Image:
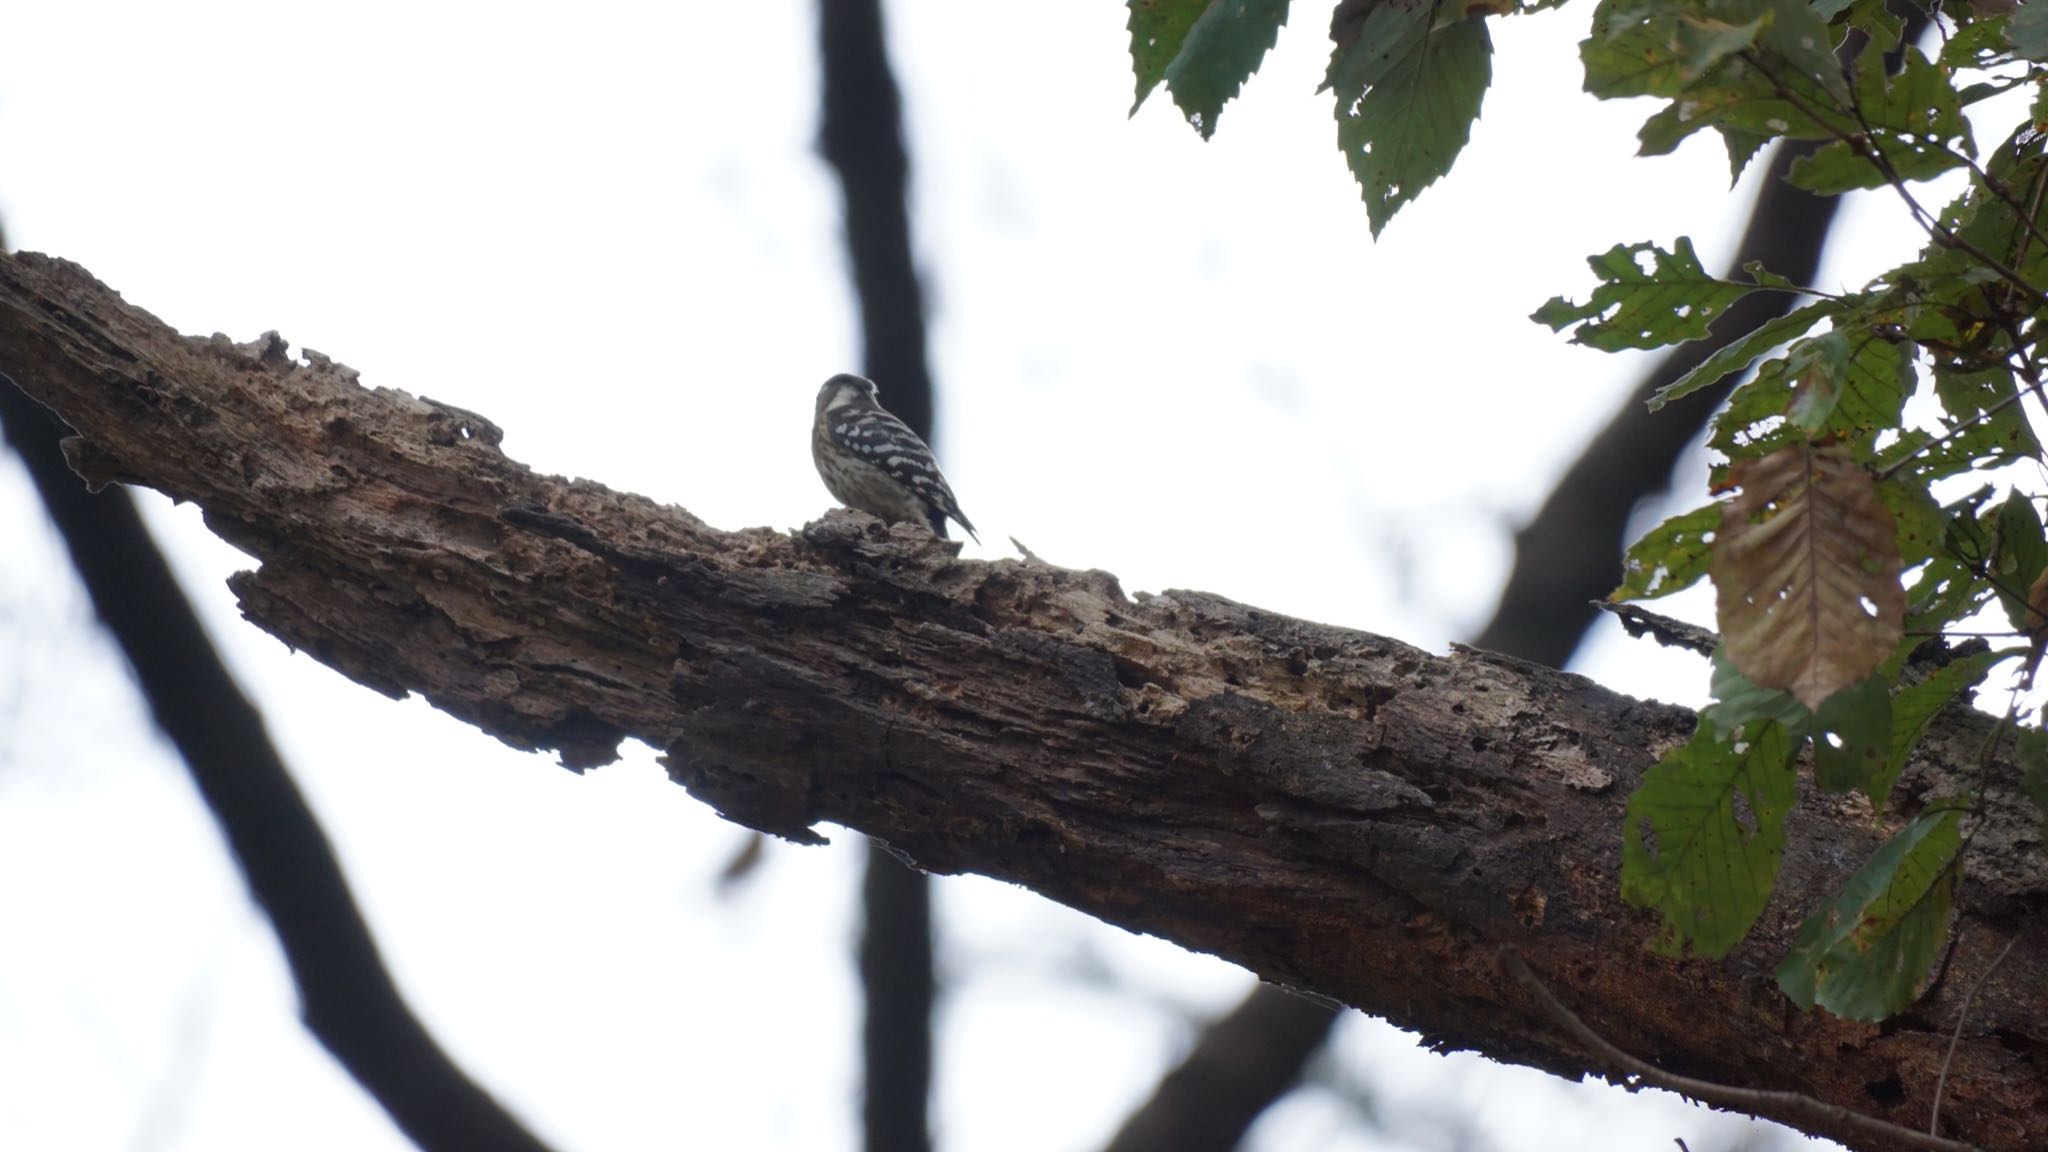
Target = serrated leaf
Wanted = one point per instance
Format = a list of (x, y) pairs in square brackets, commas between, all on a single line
[(1703, 41), (1851, 733), (1817, 369), (1915, 123), (1979, 44), (1742, 146), (1921, 521), (1879, 377), (1864, 955), (1407, 91), (1737, 356), (1885, 27), (1688, 853), (1845, 384), (1803, 548), (1203, 50), (1915, 706), (1648, 298), (2004, 436), (1670, 557)]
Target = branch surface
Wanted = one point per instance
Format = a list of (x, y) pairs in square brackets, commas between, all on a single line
[(1334, 810)]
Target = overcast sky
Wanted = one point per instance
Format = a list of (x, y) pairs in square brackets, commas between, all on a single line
[(1186, 363)]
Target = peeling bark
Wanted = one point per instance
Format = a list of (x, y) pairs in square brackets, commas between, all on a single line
[(1334, 810)]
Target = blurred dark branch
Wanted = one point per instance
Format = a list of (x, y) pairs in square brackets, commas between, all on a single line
[(1333, 810), (1237, 1068), (1569, 555), (346, 997), (862, 138)]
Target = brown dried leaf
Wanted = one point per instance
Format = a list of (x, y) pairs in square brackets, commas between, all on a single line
[(1807, 569)]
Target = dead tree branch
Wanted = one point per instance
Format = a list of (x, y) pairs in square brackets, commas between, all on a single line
[(1334, 810)]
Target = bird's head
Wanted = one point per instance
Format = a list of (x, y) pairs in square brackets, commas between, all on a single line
[(846, 390)]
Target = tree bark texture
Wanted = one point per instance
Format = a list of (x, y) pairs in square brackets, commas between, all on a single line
[(1334, 810)]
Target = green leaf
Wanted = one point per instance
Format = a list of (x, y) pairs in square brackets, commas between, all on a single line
[(1735, 357), (1670, 557), (1648, 298), (1949, 588), (1852, 738), (1864, 955), (1742, 146), (1851, 734), (2033, 757), (1979, 44), (1845, 383), (1915, 124), (1738, 700), (2027, 30), (2019, 556), (1798, 35), (1203, 49), (1921, 521), (2004, 436), (1703, 42), (1689, 853), (1816, 369), (1878, 378), (1916, 705), (1408, 88)]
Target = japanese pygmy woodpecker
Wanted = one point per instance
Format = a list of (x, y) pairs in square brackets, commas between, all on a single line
[(872, 461)]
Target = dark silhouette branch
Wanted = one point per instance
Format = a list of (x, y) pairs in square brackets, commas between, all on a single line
[(345, 994), (862, 138), (1240, 1064), (1336, 811)]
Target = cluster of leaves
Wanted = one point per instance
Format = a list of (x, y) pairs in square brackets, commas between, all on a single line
[(1848, 541), (1831, 497)]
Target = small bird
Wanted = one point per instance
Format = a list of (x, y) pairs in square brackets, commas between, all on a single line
[(872, 461)]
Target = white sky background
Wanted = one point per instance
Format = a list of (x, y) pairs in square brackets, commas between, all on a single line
[(608, 232)]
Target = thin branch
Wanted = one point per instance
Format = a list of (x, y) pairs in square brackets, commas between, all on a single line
[(1865, 146), (1753, 1100), (1955, 1037)]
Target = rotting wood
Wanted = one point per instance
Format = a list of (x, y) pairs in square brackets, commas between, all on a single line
[(1334, 810)]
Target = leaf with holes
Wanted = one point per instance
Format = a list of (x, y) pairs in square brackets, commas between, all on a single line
[(1852, 738), (1670, 557), (1408, 86), (1735, 357), (1865, 953), (1703, 836), (1204, 51), (1914, 129), (1806, 568), (1648, 298)]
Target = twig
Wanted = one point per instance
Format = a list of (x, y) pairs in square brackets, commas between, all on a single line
[(1866, 145), (1641, 622), (1810, 1112), (1952, 432), (1941, 1081)]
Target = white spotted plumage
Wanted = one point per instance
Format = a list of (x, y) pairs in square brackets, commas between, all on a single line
[(872, 461)]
